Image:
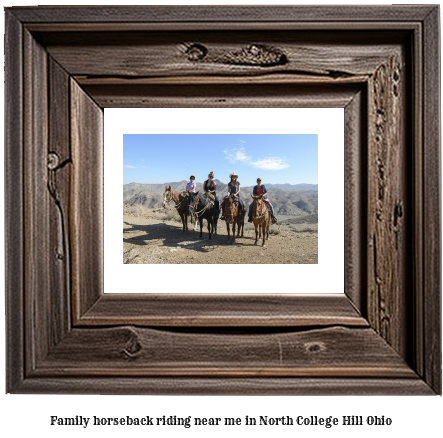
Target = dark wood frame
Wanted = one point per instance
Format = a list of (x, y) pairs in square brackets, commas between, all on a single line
[(64, 65)]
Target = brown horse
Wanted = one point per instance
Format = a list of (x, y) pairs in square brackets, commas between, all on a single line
[(181, 204), (230, 212), (261, 218)]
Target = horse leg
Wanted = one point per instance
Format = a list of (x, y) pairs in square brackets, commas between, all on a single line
[(264, 233), (256, 233), (201, 226), (186, 221), (229, 234), (183, 222), (233, 231), (210, 225), (215, 219)]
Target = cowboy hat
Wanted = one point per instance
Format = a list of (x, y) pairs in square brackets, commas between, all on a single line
[(233, 174)]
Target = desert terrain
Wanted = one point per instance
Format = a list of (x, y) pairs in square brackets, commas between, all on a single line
[(156, 236), (152, 234)]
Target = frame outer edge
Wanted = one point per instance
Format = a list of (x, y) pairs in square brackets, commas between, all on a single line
[(432, 202), (220, 13), (14, 242), (14, 234), (228, 386)]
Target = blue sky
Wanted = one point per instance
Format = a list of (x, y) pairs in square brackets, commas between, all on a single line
[(275, 158)]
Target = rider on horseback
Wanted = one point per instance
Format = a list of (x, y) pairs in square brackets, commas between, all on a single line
[(190, 187), (234, 192), (258, 190), (210, 188)]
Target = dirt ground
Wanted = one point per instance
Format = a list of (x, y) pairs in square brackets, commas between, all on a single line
[(151, 237)]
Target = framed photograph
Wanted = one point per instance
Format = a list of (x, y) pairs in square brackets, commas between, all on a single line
[(378, 331), (282, 148), (160, 208)]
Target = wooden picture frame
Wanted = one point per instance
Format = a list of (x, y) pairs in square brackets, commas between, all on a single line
[(65, 64)]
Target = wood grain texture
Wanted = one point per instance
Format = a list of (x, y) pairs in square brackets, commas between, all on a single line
[(160, 54), (355, 194), (226, 14), (233, 26), (226, 386), (74, 61), (86, 209), (231, 96), (59, 179), (14, 239), (204, 310), (417, 358), (37, 257), (130, 351), (432, 334), (388, 204)]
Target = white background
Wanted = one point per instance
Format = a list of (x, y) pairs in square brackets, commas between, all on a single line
[(325, 277), (28, 415)]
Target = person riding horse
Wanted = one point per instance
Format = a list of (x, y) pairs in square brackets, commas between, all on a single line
[(190, 187), (234, 192), (210, 188), (258, 190)]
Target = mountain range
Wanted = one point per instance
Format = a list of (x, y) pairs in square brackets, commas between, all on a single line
[(287, 199)]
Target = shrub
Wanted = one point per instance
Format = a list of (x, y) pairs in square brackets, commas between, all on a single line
[(137, 209), (172, 215), (305, 228), (275, 230)]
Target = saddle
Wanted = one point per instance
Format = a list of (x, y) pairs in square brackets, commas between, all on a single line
[(235, 199)]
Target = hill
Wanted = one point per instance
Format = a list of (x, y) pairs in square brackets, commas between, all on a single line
[(287, 199)]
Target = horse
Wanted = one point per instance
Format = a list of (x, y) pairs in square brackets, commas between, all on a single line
[(181, 204), (261, 217), (203, 207), (230, 212)]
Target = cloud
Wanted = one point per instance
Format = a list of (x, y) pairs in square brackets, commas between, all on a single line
[(236, 155), (271, 163), (129, 166), (239, 155)]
